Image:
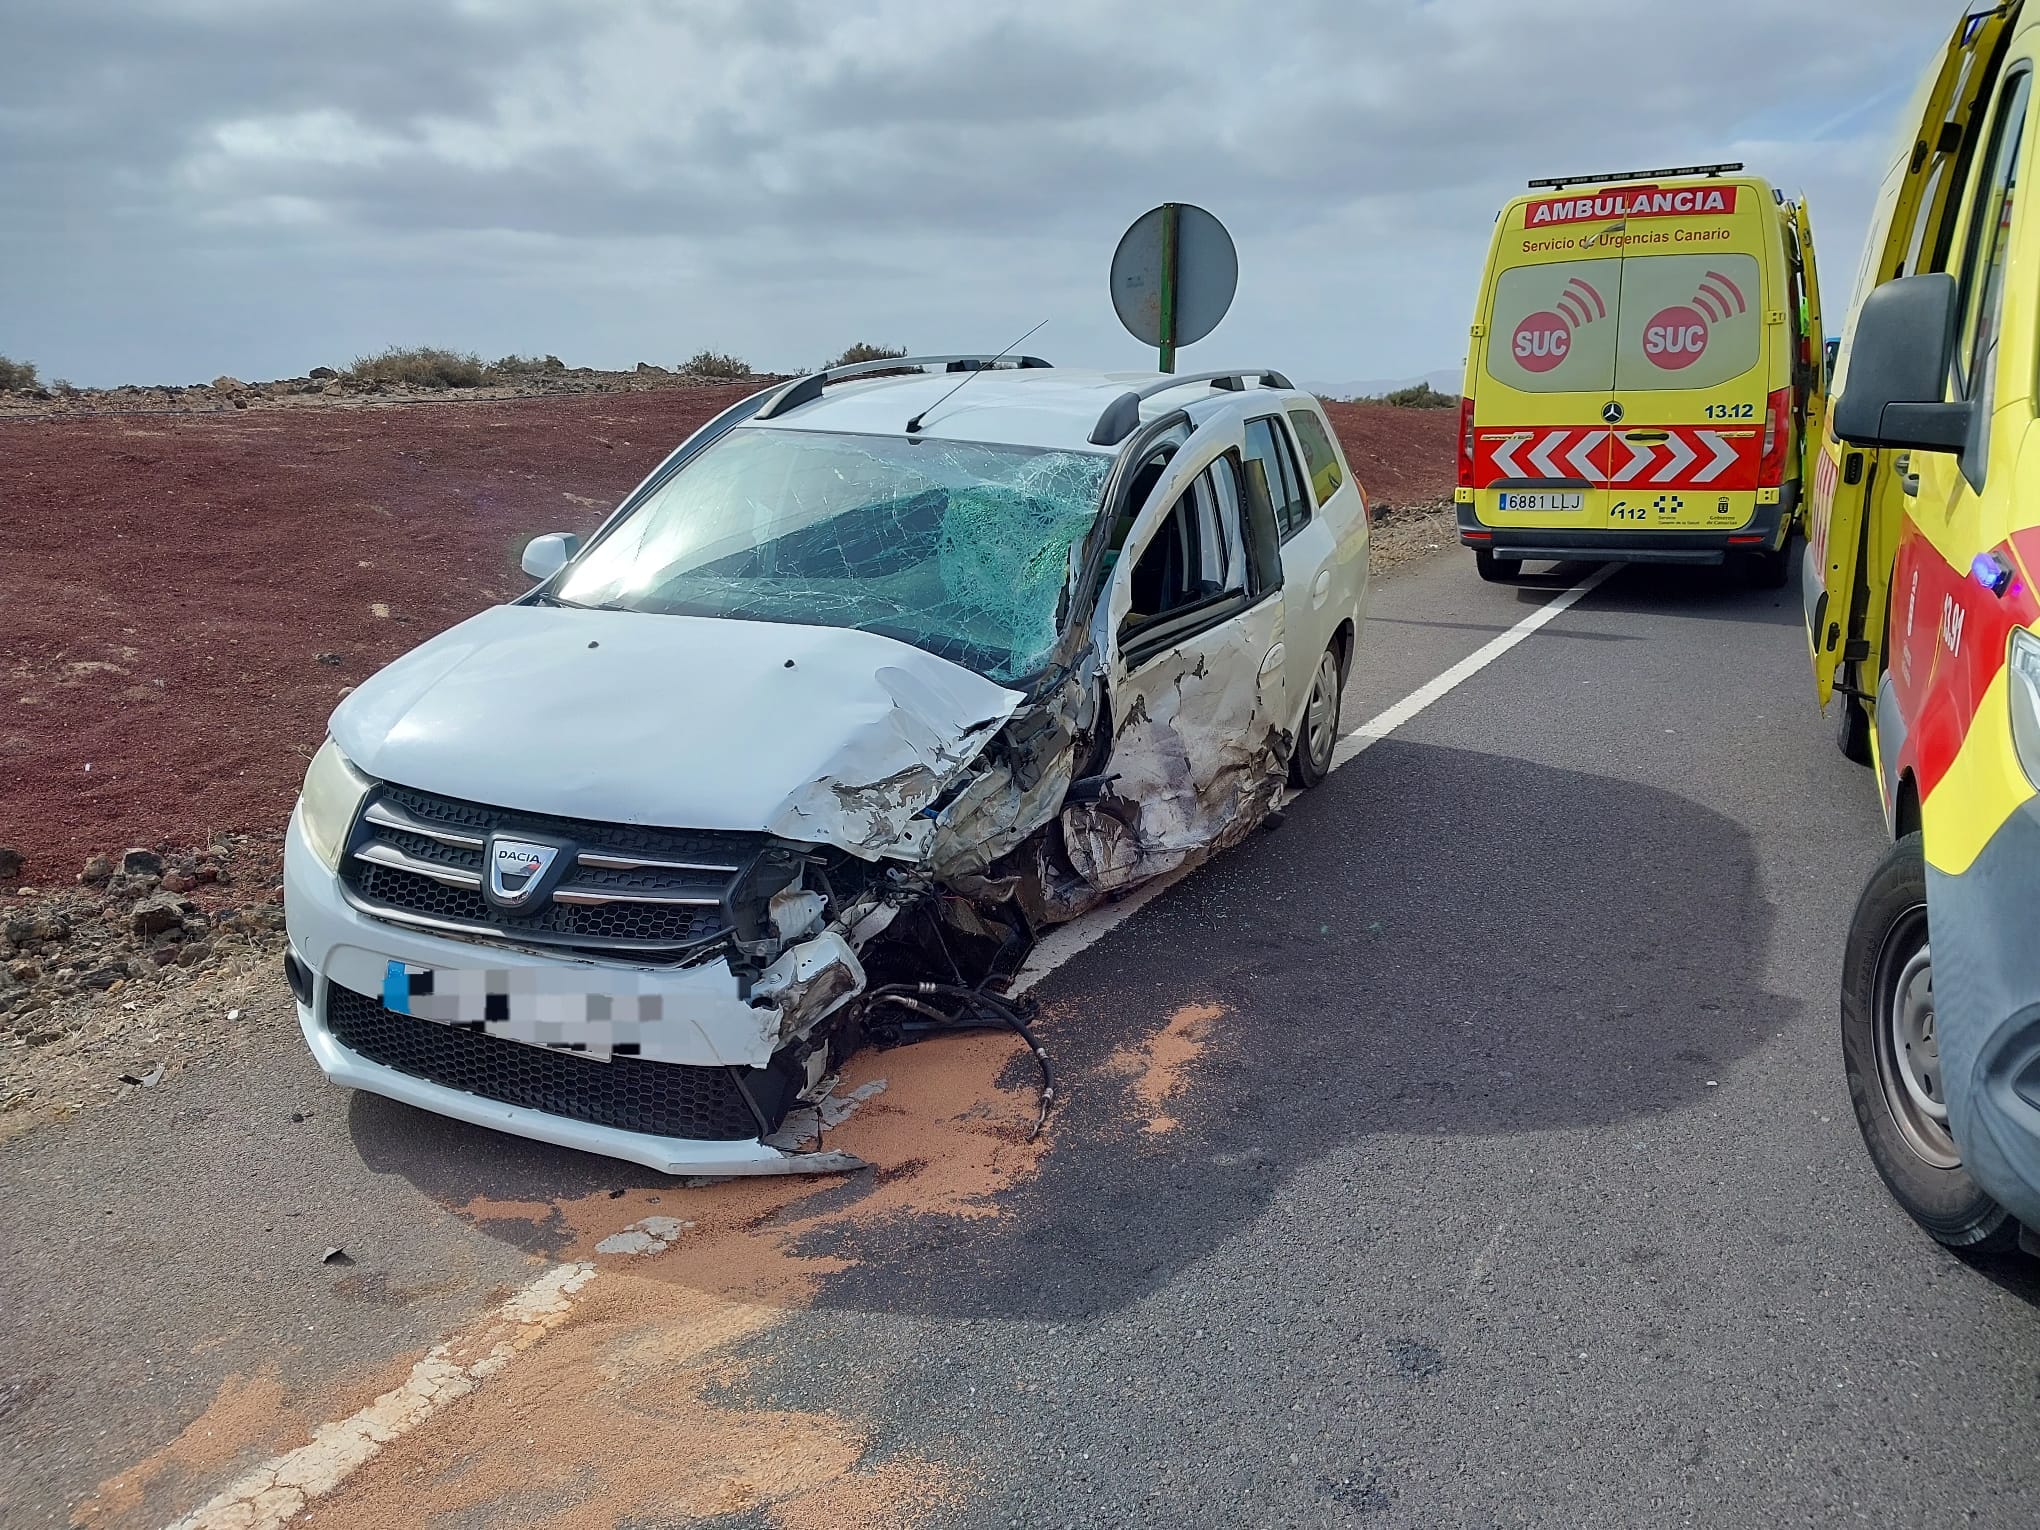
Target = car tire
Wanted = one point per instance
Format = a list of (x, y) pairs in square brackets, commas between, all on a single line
[(1317, 740), (1496, 570), (1892, 1060)]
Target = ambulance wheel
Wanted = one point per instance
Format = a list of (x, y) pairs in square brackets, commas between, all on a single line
[(1496, 570), (1893, 1060), (1770, 570)]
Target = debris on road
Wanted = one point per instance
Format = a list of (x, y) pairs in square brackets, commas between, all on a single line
[(336, 1255), (648, 1235)]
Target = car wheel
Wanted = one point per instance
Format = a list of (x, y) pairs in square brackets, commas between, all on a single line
[(1311, 760), (1893, 1059), (1496, 570)]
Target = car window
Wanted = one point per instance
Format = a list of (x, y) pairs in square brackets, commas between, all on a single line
[(1688, 321), (957, 548), (1553, 327), (1196, 554), (1987, 248), (1318, 455), (1268, 451)]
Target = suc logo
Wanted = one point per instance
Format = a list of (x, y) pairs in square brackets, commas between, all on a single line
[(1677, 336), (1544, 340)]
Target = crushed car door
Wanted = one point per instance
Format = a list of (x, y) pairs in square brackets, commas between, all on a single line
[(1858, 495), (1192, 628)]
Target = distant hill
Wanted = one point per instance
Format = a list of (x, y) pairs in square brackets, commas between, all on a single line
[(1449, 380)]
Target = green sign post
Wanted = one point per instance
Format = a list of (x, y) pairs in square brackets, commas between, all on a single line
[(1173, 277)]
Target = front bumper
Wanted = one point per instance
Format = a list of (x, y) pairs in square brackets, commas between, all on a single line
[(707, 1025), (1762, 532), (1987, 1010)]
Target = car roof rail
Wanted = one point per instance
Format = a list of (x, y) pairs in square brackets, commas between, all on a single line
[(1560, 182), (805, 390), (1122, 416)]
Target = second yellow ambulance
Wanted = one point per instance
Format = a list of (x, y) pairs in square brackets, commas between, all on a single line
[(1645, 357)]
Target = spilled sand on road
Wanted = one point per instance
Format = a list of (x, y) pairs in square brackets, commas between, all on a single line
[(1160, 1066), (248, 1415), (630, 1409), (248, 1418)]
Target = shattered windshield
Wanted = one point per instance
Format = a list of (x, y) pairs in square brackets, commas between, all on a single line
[(958, 548)]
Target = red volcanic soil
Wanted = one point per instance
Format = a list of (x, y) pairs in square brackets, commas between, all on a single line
[(186, 598)]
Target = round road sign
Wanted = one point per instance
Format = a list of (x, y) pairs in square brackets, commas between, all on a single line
[(1207, 274)]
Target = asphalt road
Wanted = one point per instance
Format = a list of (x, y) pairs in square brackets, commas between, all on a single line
[(1511, 1181)]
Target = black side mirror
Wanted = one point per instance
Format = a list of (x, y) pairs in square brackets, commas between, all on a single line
[(1900, 361)]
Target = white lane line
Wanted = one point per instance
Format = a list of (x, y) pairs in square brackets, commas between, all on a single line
[(1067, 941), (1373, 731), (278, 1490)]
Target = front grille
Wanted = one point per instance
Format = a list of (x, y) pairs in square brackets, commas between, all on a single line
[(418, 858), (714, 846), (628, 1093), (583, 924)]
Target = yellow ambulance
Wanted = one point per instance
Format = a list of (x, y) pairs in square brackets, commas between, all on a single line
[(1645, 355), (1923, 598)]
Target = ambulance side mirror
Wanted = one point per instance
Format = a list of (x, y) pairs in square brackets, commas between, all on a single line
[(1900, 361)]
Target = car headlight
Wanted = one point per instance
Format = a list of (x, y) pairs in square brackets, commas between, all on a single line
[(331, 797), (2023, 677)]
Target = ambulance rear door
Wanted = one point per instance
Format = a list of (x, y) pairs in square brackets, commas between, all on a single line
[(1547, 348), (1700, 311)]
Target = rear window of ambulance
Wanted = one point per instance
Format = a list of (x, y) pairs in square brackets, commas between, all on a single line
[(1553, 327), (1688, 321), (1627, 324)]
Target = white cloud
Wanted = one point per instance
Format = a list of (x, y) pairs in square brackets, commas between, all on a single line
[(205, 187)]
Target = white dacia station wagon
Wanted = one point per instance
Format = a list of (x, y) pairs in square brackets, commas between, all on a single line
[(878, 675)]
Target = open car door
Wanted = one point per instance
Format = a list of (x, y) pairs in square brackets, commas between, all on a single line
[(1858, 495)]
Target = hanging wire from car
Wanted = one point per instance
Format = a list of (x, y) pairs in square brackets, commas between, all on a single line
[(991, 1012), (914, 425)]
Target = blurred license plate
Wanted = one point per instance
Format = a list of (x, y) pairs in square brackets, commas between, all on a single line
[(1544, 501), (540, 1006)]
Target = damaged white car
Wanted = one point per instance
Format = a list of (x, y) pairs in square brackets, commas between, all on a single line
[(880, 674)]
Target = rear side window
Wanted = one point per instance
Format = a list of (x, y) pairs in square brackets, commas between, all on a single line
[(1268, 453), (1553, 327), (1688, 321), (1322, 461), (1984, 256)]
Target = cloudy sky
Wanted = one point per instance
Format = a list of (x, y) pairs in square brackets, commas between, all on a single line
[(191, 187)]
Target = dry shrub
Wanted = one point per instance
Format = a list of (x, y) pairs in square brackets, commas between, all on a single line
[(421, 366), (865, 351), (715, 364)]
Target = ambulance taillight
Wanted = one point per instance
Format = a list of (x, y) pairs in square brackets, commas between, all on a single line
[(1777, 438), (1466, 443)]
